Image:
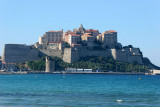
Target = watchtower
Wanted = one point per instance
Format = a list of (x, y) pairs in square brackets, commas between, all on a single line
[(50, 65)]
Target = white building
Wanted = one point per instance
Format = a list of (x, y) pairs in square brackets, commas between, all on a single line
[(156, 71), (73, 39)]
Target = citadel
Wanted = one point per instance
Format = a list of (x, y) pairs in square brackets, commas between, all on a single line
[(71, 46)]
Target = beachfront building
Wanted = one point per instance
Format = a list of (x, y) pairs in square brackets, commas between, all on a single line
[(156, 71), (51, 36)]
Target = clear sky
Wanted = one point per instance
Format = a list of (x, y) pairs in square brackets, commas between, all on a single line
[(136, 21)]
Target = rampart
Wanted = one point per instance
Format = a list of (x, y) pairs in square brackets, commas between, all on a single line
[(84, 53), (17, 53), (73, 54), (126, 56), (52, 52), (70, 55)]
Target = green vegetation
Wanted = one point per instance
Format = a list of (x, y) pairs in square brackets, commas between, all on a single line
[(147, 62), (20, 66), (37, 65), (129, 46), (90, 62), (108, 64), (40, 64), (67, 45)]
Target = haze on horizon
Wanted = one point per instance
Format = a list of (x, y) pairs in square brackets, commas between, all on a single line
[(136, 21)]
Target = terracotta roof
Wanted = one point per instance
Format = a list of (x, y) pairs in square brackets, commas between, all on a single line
[(111, 31), (70, 32), (54, 31), (56, 42), (92, 30), (88, 35), (74, 35)]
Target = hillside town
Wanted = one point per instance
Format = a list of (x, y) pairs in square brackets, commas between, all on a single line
[(78, 37), (71, 46), (83, 42)]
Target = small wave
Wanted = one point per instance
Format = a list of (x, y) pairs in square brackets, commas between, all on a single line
[(119, 101)]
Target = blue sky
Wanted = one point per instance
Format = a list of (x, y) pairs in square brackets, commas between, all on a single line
[(136, 21)]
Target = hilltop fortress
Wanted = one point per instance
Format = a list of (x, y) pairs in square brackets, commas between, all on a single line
[(71, 46)]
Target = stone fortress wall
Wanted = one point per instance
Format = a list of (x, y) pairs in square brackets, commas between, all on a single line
[(51, 52), (16, 53), (84, 53), (72, 55), (124, 56)]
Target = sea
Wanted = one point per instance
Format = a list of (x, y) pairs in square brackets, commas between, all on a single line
[(79, 90)]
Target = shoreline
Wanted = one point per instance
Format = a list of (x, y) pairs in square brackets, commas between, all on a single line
[(109, 73)]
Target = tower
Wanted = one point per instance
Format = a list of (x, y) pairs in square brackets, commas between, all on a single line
[(50, 65)]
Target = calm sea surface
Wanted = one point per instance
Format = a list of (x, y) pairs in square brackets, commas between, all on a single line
[(79, 90)]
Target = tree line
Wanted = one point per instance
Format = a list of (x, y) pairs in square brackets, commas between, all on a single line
[(90, 62)]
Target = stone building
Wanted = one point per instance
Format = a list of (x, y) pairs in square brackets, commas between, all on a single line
[(65, 34), (87, 39), (93, 32), (73, 39), (80, 31), (51, 36), (56, 45), (108, 38), (42, 39)]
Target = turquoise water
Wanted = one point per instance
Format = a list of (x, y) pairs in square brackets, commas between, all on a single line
[(79, 90)]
